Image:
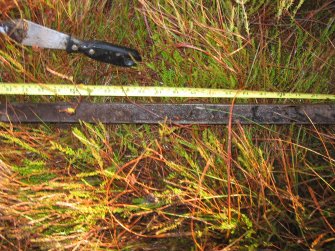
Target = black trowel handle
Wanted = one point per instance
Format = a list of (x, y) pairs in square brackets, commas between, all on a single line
[(104, 52)]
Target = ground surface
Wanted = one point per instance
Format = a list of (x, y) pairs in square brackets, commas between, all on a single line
[(126, 187)]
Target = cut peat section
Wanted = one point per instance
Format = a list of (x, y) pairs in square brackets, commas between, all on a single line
[(131, 113)]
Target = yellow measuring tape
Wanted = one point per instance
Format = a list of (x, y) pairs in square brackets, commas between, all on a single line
[(146, 91)]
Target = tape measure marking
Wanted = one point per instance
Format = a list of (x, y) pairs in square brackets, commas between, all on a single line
[(32, 89)]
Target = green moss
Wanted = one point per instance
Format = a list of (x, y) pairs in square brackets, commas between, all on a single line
[(34, 172)]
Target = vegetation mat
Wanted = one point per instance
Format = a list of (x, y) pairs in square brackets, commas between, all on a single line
[(167, 187)]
